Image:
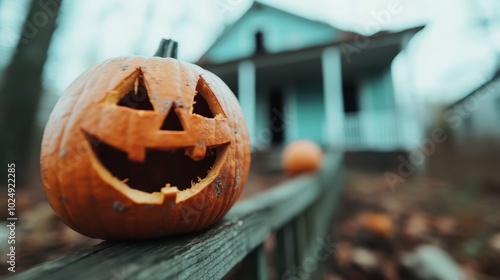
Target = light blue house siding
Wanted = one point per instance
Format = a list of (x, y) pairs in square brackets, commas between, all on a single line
[(280, 31), (310, 113), (375, 125), (376, 93)]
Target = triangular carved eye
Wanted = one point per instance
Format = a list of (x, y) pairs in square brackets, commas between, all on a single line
[(201, 107), (205, 102), (137, 97), (172, 121)]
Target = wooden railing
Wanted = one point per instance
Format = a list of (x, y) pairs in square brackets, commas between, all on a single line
[(299, 214)]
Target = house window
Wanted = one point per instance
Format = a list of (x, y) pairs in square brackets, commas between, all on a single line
[(259, 42)]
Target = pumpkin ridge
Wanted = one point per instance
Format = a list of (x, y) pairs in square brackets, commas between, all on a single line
[(47, 148), (204, 204), (94, 193), (229, 199), (65, 192)]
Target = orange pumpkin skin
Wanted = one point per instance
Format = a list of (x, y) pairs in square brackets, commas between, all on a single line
[(301, 156), (100, 126)]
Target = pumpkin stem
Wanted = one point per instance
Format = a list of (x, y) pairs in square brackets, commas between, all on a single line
[(167, 48)]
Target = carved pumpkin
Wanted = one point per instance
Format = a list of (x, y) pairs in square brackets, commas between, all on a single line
[(301, 156), (143, 147)]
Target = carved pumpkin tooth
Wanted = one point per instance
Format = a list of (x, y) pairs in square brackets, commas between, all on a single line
[(197, 152), (169, 189)]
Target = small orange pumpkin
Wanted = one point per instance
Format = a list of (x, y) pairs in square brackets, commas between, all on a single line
[(301, 156), (142, 147)]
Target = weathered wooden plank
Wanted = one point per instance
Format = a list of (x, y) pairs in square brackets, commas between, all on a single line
[(68, 259), (209, 254)]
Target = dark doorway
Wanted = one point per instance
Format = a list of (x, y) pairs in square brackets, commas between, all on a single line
[(350, 95), (276, 117)]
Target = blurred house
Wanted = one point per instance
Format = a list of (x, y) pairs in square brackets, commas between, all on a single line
[(301, 79), (475, 117)]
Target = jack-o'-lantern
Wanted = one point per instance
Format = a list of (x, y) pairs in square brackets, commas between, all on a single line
[(144, 147)]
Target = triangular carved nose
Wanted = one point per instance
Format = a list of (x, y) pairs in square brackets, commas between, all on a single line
[(172, 121)]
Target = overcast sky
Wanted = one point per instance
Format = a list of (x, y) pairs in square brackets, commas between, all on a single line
[(94, 30)]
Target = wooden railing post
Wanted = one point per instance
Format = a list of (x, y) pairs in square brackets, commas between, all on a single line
[(301, 241), (285, 250), (255, 264)]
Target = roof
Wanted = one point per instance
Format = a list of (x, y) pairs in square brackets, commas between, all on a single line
[(483, 88), (348, 39), (257, 6)]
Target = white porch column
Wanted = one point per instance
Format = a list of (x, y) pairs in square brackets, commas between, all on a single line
[(410, 107), (333, 100), (247, 96)]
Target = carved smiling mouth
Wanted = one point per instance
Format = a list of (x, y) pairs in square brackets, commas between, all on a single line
[(160, 168)]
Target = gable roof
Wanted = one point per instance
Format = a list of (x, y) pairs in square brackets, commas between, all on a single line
[(256, 7)]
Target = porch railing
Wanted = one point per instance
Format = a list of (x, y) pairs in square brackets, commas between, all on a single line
[(372, 130), (298, 213)]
